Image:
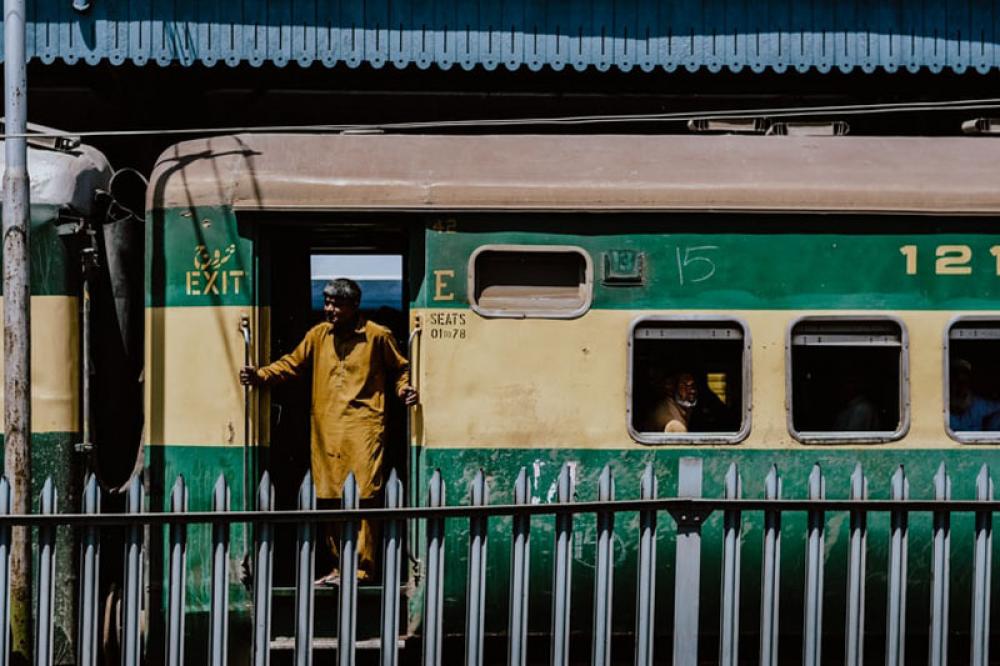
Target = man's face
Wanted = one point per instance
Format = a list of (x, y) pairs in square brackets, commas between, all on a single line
[(687, 389), (340, 311), (961, 384)]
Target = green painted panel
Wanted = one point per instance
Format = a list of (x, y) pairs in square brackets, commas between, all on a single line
[(55, 270), (748, 262), (198, 257), (501, 466), (53, 456), (204, 257), (200, 466)]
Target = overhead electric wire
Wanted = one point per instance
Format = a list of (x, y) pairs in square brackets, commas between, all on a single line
[(985, 104)]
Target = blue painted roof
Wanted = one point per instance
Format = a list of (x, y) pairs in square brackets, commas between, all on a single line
[(604, 34)]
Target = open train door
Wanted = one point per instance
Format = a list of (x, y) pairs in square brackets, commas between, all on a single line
[(298, 257)]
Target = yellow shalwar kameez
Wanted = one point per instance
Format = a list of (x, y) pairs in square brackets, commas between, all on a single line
[(349, 377)]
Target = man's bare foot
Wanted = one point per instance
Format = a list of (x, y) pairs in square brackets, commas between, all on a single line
[(332, 579)]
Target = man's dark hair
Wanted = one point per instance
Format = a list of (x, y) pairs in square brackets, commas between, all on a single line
[(343, 288)]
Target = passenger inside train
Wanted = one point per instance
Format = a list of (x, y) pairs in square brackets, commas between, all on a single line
[(857, 413), (846, 377), (972, 403), (680, 399), (687, 379), (973, 376)]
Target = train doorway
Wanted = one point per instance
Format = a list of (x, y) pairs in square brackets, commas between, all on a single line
[(296, 262)]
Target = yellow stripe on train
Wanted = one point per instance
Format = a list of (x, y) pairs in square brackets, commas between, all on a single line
[(536, 383), (55, 363), (192, 390), (497, 383)]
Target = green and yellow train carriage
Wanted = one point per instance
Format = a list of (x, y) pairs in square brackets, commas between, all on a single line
[(66, 179), (826, 295)]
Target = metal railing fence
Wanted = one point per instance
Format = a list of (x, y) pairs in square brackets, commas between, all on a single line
[(689, 510)]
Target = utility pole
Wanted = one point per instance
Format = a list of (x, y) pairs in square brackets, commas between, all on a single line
[(17, 322)]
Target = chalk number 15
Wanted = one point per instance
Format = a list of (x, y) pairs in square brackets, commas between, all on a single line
[(949, 259)]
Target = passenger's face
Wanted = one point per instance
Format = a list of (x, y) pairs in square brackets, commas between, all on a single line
[(961, 384), (339, 311), (687, 390)]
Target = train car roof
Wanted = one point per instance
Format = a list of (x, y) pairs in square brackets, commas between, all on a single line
[(65, 178), (954, 175)]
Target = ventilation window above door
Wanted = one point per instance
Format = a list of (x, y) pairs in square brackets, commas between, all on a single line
[(530, 281)]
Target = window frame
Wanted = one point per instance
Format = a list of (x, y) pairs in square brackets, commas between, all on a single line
[(488, 313), (662, 438), (875, 436), (962, 436)]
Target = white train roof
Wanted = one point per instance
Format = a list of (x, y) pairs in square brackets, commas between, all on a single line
[(65, 178)]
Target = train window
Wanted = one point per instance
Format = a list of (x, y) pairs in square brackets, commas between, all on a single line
[(972, 388), (689, 380), (530, 281), (847, 379)]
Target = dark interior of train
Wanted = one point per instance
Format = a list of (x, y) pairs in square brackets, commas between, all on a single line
[(665, 353), (299, 259), (845, 389), (846, 376), (974, 377)]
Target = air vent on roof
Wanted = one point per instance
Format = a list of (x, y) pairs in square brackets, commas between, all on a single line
[(979, 126), (729, 125), (765, 126), (798, 128)]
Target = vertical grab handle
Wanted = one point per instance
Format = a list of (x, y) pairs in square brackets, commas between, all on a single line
[(247, 343), (245, 574), (412, 346)]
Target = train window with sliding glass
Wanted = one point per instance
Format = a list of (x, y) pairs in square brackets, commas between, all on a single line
[(972, 380), (520, 281), (689, 380), (847, 379)]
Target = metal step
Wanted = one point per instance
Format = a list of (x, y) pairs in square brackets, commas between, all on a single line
[(326, 612)]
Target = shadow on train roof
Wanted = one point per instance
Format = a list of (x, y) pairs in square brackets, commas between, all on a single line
[(851, 174)]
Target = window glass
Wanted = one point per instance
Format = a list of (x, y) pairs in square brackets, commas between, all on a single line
[(689, 380), (533, 281), (846, 378), (973, 369)]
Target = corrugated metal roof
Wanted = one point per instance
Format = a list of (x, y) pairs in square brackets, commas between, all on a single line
[(625, 34)]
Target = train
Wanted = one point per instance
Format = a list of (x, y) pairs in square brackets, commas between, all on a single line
[(86, 351), (827, 300)]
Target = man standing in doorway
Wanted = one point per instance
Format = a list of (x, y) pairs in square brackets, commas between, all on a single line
[(352, 362)]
